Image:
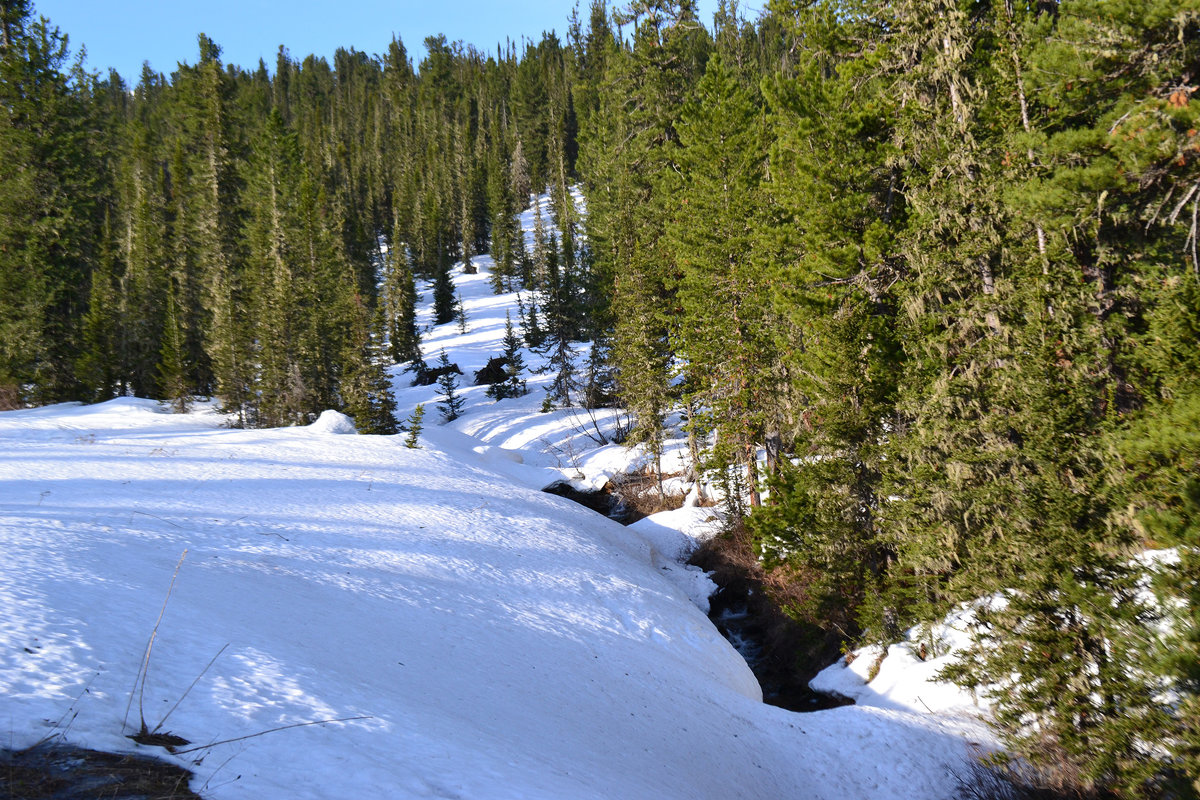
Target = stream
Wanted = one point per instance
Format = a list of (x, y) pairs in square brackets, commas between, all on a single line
[(738, 609)]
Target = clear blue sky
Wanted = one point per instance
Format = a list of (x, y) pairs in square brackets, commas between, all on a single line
[(124, 33)]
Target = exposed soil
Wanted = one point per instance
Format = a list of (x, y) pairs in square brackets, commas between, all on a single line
[(62, 772), (603, 501), (771, 643)]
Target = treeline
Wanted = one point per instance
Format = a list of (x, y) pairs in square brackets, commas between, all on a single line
[(253, 234), (937, 259)]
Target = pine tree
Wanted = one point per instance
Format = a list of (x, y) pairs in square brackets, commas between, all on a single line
[(519, 180), (275, 273), (48, 210), (443, 294), (502, 214), (460, 313), (534, 334), (452, 402), (645, 90), (513, 384), (143, 249), (831, 359), (212, 213), (172, 366), (400, 306), (414, 424), (599, 386), (365, 385), (723, 323)]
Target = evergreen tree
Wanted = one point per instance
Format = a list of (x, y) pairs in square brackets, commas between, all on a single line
[(835, 207), (599, 386), (365, 385), (452, 402), (723, 324), (212, 212), (414, 424), (460, 313), (400, 306), (502, 214), (48, 210), (513, 384), (172, 367), (275, 273), (645, 90), (443, 294), (534, 334)]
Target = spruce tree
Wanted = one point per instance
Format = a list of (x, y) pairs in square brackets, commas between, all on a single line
[(212, 212), (452, 402), (365, 386), (48, 210), (502, 214), (835, 208), (513, 384), (443, 294), (400, 306), (172, 366), (414, 424), (460, 313), (723, 322)]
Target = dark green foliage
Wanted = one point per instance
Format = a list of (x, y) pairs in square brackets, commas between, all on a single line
[(723, 328), (460, 313), (414, 424), (513, 384), (599, 386), (49, 209), (400, 307), (531, 326), (937, 259), (630, 140), (443, 294), (452, 402), (365, 385)]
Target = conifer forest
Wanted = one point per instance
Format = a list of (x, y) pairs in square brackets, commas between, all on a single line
[(936, 259)]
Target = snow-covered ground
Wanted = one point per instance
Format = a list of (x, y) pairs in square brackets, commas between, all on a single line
[(493, 640)]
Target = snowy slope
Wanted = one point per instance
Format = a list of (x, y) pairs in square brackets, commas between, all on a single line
[(500, 642)]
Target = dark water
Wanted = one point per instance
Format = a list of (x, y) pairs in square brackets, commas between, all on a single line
[(741, 615), (603, 501)]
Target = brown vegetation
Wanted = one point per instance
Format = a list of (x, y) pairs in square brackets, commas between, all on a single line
[(58, 772), (794, 649)]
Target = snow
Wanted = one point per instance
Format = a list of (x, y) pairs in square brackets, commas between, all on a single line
[(333, 422), (493, 641), (902, 679)]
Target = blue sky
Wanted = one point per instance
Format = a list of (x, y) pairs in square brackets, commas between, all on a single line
[(124, 33)]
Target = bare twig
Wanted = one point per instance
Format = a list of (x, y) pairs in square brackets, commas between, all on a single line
[(271, 730), (160, 519), (1188, 196), (58, 728), (212, 661), (145, 668)]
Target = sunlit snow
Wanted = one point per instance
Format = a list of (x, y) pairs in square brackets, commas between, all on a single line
[(494, 641)]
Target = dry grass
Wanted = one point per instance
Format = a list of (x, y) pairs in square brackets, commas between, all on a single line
[(998, 778), (10, 396), (639, 493), (794, 648), (59, 772)]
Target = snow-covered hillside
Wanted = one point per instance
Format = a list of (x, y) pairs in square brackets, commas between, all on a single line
[(493, 640)]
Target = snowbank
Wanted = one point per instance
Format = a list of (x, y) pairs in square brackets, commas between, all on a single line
[(492, 640)]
